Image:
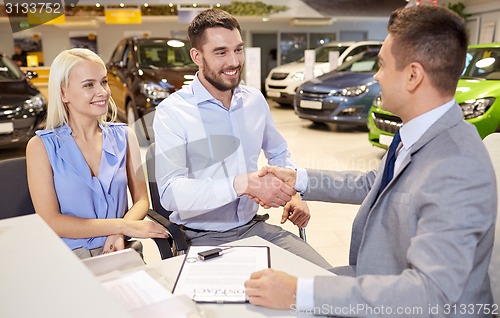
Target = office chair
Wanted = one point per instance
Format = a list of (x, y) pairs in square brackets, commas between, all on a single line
[(492, 143), (161, 215), (15, 199), (177, 241)]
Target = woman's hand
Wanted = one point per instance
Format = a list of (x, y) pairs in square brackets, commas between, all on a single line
[(114, 243), (144, 229)]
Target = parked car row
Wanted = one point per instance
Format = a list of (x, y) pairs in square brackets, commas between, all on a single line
[(144, 71), (478, 94), (283, 81)]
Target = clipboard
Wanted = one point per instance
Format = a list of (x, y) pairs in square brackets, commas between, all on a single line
[(220, 279)]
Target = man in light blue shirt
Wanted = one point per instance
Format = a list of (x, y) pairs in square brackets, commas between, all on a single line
[(209, 136)]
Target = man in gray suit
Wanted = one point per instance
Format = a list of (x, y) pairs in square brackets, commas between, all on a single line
[(421, 244)]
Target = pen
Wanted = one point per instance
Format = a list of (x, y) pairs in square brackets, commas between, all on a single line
[(215, 252)]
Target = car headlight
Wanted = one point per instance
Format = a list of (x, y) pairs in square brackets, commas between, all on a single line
[(36, 102), (154, 91), (377, 101), (476, 107), (351, 91), (299, 76)]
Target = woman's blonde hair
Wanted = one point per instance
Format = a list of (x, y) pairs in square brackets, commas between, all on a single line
[(57, 113)]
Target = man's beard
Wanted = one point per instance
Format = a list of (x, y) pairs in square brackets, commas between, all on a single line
[(215, 79)]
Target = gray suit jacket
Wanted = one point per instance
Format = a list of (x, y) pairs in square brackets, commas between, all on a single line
[(421, 249)]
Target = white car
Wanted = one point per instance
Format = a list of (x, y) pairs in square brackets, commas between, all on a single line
[(282, 81)]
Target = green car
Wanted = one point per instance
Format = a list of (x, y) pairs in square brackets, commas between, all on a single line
[(478, 93)]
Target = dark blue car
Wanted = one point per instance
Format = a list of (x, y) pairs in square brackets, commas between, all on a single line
[(343, 96)]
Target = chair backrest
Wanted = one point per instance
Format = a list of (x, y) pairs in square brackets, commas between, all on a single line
[(153, 188), (492, 143), (15, 197)]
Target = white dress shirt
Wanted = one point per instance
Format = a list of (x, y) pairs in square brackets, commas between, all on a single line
[(202, 145)]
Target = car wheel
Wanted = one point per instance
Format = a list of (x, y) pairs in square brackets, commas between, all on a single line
[(318, 123), (285, 105)]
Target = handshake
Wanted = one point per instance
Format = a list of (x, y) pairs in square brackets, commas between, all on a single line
[(270, 187)]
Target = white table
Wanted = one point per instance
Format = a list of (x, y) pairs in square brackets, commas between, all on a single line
[(166, 272), (41, 277)]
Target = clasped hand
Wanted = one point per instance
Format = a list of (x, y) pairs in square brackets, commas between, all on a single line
[(283, 179), (273, 187), (268, 190)]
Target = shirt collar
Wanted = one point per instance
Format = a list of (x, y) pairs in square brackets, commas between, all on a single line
[(416, 128), (201, 94)]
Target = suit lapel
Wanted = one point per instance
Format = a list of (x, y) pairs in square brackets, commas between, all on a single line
[(451, 118)]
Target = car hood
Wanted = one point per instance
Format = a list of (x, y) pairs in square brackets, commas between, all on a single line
[(476, 88), (337, 80), (15, 93), (172, 77)]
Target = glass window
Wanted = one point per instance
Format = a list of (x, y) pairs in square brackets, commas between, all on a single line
[(483, 63), (161, 54), (118, 53), (363, 62), (8, 70), (322, 53), (292, 46), (318, 39)]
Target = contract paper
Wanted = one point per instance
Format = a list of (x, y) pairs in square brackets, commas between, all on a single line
[(136, 290), (220, 279)]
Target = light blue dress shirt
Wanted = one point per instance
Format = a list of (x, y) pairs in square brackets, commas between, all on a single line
[(201, 146), (79, 193), (410, 133)]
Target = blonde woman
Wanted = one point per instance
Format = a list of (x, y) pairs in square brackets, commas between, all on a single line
[(80, 166)]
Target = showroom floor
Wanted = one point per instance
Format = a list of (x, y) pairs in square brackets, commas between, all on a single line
[(319, 147)]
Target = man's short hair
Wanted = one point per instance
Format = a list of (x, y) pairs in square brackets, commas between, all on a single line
[(433, 36), (210, 18)]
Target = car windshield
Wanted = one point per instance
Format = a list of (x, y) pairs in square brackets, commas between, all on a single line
[(323, 52), (162, 54), (482, 63), (362, 62), (8, 70)]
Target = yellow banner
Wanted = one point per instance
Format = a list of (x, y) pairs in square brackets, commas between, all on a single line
[(123, 16)]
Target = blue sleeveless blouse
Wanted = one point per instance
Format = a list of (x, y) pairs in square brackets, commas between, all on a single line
[(79, 193)]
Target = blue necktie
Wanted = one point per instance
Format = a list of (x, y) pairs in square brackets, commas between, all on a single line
[(389, 162)]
